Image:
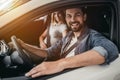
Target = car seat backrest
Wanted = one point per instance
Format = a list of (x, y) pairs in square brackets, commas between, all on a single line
[(99, 18)]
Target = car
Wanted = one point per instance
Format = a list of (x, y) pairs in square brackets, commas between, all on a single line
[(27, 20)]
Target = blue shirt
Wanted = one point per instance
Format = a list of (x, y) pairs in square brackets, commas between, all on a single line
[(93, 40)]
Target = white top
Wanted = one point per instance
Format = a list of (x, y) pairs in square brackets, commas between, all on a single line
[(55, 32)]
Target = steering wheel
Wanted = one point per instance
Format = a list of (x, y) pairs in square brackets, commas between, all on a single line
[(22, 53)]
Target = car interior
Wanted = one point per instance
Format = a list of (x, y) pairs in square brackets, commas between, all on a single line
[(99, 17)]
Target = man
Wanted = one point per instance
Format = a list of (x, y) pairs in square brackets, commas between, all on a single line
[(90, 47)]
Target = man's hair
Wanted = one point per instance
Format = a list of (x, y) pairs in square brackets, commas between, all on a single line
[(83, 9)]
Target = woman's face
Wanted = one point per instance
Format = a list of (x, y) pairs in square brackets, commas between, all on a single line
[(57, 16)]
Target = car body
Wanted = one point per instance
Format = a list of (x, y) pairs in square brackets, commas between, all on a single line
[(27, 22)]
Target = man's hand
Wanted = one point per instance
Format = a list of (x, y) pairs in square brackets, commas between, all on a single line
[(20, 42), (45, 68)]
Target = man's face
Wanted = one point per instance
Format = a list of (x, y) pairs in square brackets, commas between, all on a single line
[(75, 19)]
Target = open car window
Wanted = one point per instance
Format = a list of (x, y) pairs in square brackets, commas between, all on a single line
[(99, 17)]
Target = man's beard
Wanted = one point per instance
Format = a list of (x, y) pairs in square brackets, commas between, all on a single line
[(75, 29)]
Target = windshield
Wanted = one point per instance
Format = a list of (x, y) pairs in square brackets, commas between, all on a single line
[(7, 5)]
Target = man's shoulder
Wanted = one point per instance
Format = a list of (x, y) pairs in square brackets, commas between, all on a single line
[(94, 32)]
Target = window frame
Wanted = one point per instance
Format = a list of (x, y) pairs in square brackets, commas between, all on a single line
[(48, 8)]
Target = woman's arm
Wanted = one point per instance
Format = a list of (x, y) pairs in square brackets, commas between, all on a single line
[(41, 39)]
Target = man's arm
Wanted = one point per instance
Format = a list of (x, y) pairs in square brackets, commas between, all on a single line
[(90, 57), (33, 49)]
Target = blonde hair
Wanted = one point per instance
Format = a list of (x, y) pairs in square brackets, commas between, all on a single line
[(61, 17)]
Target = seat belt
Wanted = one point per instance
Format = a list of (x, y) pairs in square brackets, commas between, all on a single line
[(48, 37), (69, 50), (48, 27), (64, 54)]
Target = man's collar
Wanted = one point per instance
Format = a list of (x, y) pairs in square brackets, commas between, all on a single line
[(84, 32)]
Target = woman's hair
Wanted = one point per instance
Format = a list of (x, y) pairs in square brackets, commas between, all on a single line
[(60, 16)]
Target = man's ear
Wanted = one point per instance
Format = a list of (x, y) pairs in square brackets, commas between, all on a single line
[(85, 17)]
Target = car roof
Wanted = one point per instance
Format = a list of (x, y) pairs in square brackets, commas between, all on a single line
[(21, 10)]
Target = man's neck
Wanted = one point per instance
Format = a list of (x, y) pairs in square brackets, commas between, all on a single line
[(77, 34)]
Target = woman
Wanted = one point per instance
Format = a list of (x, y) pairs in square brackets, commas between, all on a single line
[(55, 31)]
